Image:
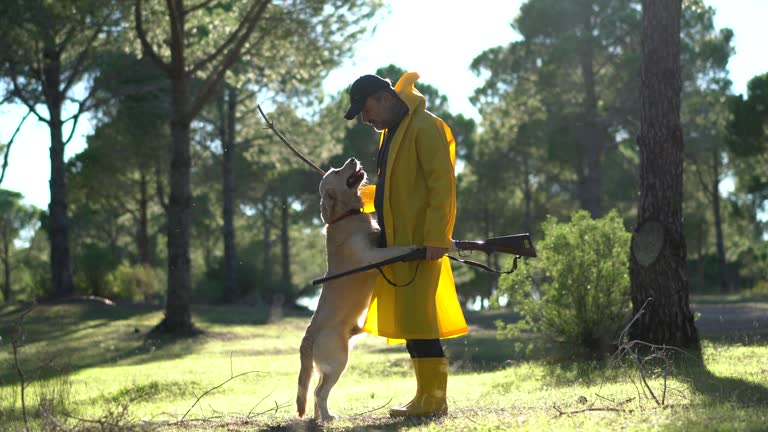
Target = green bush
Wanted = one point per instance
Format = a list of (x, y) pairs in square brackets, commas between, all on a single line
[(577, 289), (93, 264), (136, 283)]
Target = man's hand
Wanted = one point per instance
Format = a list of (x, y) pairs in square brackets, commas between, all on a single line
[(434, 252)]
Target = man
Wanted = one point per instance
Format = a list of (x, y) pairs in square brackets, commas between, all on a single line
[(415, 203)]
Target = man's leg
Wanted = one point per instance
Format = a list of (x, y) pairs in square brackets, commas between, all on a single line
[(421, 348), (431, 369)]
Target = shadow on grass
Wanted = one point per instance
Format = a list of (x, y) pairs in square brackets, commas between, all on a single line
[(481, 350), (362, 422), (690, 368), (719, 389), (62, 338)]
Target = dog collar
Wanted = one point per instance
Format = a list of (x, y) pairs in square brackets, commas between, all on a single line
[(351, 212)]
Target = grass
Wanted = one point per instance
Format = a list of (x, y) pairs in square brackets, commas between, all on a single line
[(95, 368)]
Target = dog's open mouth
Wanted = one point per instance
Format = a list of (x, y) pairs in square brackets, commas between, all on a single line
[(355, 179)]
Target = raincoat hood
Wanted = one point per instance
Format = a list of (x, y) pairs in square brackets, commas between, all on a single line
[(405, 88)]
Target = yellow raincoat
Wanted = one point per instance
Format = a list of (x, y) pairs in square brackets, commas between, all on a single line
[(419, 209)]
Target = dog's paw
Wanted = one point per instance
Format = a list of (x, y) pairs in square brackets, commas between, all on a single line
[(327, 417)]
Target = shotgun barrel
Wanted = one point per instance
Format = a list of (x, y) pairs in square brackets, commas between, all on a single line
[(516, 244), (414, 255)]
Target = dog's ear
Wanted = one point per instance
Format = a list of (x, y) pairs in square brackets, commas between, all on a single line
[(327, 204)]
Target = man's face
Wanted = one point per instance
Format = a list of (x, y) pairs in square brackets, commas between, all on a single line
[(380, 111)]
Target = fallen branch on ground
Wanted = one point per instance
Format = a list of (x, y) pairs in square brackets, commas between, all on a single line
[(214, 388)]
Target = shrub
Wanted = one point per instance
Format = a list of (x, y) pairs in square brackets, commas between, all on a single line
[(136, 283), (577, 289), (92, 265)]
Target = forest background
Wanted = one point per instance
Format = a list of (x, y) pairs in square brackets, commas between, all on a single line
[(551, 129)]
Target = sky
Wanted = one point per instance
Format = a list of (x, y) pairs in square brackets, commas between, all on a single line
[(436, 38)]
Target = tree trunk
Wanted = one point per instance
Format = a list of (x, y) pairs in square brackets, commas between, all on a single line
[(286, 245), (6, 269), (527, 195), (178, 318), (185, 108), (658, 259), (719, 221), (593, 186), (231, 290), (58, 229), (267, 246), (142, 231)]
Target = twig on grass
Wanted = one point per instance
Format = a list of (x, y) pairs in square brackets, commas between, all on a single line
[(625, 401), (51, 419), (277, 408), (628, 348), (106, 422), (259, 402), (112, 420), (17, 341), (618, 406), (583, 410), (214, 410), (375, 409), (214, 388), (640, 368), (471, 419)]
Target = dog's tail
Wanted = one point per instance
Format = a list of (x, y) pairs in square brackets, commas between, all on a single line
[(305, 374)]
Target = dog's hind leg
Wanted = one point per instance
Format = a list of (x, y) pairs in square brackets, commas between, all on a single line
[(318, 410), (323, 389), (305, 373), (331, 355)]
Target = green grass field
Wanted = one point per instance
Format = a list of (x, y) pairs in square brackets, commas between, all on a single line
[(88, 366)]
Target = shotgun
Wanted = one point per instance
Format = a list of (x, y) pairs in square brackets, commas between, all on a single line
[(516, 244)]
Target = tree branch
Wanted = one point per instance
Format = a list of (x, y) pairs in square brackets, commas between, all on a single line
[(177, 37), (699, 175), (198, 6), (81, 108), (225, 45), (19, 94), (213, 80), (271, 125), (82, 56), (73, 30), (205, 148), (146, 47), (10, 143), (160, 190)]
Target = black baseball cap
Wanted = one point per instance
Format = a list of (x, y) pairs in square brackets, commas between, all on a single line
[(363, 87)]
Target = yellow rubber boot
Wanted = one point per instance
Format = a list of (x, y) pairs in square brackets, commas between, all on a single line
[(431, 383), (419, 390)]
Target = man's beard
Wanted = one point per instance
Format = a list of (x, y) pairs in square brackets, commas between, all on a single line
[(393, 118)]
